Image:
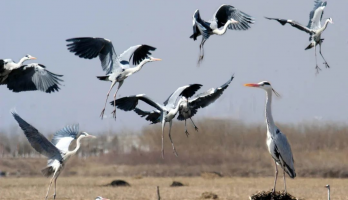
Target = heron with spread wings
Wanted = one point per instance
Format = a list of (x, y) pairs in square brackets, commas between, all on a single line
[(117, 67), (57, 151), (163, 112)]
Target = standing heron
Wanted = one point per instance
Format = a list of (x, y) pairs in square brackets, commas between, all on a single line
[(30, 77), (57, 151), (314, 28), (117, 67), (188, 108), (278, 145), (328, 191), (164, 112), (226, 16)]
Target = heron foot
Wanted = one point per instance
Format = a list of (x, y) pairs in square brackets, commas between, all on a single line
[(187, 133), (273, 190), (318, 69), (54, 196), (326, 65), (114, 114), (174, 151), (102, 113), (196, 128)]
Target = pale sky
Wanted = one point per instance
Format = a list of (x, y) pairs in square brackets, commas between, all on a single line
[(268, 51)]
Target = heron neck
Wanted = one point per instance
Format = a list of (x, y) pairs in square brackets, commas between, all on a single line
[(139, 66), (223, 30), (325, 25), (21, 61), (269, 117), (78, 144), (328, 194)]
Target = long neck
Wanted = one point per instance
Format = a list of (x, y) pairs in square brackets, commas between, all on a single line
[(328, 194), (223, 30), (21, 61), (269, 117), (78, 144), (325, 25), (139, 66)]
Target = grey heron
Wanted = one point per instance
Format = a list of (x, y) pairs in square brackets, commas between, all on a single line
[(164, 112), (226, 16), (328, 191), (314, 28), (57, 151), (278, 145), (188, 108), (33, 76), (117, 67)]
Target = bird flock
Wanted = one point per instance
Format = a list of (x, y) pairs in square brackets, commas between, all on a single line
[(19, 77)]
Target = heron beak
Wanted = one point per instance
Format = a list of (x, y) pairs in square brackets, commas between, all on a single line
[(105, 199), (251, 85), (92, 136), (33, 58), (156, 59)]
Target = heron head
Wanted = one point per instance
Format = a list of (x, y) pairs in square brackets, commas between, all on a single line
[(330, 20), (86, 135), (29, 57), (327, 186), (263, 85), (101, 198), (152, 59)]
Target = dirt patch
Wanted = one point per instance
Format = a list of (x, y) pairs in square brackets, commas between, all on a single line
[(208, 195), (118, 183), (269, 195), (176, 184)]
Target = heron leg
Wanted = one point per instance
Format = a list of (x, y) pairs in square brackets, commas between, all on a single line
[(48, 190), (276, 175), (107, 96), (325, 63), (187, 133), (55, 188), (119, 85), (316, 60), (284, 180), (201, 50), (196, 128), (163, 125), (170, 137)]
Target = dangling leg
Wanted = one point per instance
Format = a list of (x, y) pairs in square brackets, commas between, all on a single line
[(170, 137), (201, 50), (163, 124), (119, 85), (196, 128), (187, 133), (284, 180), (316, 61), (48, 190), (55, 188), (107, 96), (276, 175), (325, 63)]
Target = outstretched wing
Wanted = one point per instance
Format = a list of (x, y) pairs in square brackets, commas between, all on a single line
[(186, 91), (90, 47), (152, 116), (129, 103), (201, 25), (316, 15), (292, 23), (206, 98), (228, 12), (65, 136), (33, 76), (37, 140), (138, 53)]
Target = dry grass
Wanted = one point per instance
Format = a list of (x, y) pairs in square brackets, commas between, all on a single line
[(145, 188)]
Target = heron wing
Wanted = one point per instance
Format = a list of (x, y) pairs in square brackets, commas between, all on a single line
[(228, 12), (33, 77), (283, 150), (37, 140), (90, 47), (316, 15), (196, 31), (152, 116), (292, 23), (129, 103), (138, 53), (206, 98), (202, 25), (65, 136), (186, 91)]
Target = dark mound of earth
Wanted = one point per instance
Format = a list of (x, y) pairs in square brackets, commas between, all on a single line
[(269, 195), (176, 184)]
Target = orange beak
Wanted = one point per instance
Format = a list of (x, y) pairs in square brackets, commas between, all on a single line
[(251, 85), (156, 59), (33, 58)]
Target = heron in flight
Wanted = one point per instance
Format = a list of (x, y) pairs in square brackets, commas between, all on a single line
[(314, 28), (117, 67), (164, 112), (19, 78), (57, 151), (225, 17), (188, 108), (278, 145)]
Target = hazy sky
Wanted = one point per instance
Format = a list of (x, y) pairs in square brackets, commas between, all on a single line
[(268, 51)]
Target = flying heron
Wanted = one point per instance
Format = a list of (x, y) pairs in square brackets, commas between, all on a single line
[(117, 67), (278, 145), (57, 151), (164, 112), (314, 28), (226, 16)]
